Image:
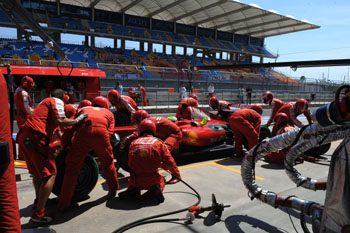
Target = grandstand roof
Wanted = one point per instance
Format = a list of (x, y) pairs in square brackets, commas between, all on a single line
[(224, 15)]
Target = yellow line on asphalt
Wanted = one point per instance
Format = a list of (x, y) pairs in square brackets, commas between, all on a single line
[(235, 170), (199, 165)]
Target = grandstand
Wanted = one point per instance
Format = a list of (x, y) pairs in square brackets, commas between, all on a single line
[(185, 33)]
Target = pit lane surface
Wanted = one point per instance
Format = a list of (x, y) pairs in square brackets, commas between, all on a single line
[(220, 176)]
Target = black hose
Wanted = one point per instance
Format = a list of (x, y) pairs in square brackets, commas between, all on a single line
[(303, 223), (145, 220)]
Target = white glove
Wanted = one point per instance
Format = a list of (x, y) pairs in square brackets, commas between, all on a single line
[(81, 117)]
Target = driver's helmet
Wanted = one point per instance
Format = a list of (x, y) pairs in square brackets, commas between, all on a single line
[(172, 118)]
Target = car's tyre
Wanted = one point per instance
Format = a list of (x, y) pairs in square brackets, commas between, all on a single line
[(86, 180), (122, 160), (264, 133), (121, 118), (318, 151)]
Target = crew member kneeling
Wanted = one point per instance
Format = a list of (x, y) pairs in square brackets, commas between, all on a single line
[(94, 134), (146, 155)]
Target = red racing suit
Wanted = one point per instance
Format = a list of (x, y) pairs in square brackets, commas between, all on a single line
[(166, 130), (245, 123), (24, 106), (146, 155), (275, 104), (93, 134), (289, 109), (126, 103), (38, 129), (144, 93), (279, 156)]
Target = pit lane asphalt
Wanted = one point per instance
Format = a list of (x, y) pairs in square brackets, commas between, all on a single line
[(220, 176)]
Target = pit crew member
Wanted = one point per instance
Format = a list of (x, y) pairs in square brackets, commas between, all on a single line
[(34, 142), (146, 155), (245, 123), (294, 109), (94, 134), (275, 104)]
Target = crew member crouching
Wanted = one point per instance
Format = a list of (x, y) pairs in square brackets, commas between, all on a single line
[(146, 155)]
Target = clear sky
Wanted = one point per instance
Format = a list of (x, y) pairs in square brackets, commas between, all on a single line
[(331, 41)]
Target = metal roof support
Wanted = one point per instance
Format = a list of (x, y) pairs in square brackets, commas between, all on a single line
[(223, 15), (94, 3), (261, 24), (167, 7), (244, 19), (199, 10), (131, 5)]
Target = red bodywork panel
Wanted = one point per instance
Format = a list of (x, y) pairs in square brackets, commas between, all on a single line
[(195, 135), (124, 131), (192, 133)]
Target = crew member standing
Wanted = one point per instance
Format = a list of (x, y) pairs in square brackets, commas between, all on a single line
[(122, 102), (93, 134), (143, 94), (245, 123), (24, 106), (293, 110), (146, 155), (34, 142), (276, 104)]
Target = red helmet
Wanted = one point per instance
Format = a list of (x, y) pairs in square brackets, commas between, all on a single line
[(65, 99), (301, 105), (84, 103), (214, 103), (138, 116), (267, 97), (281, 118), (113, 95), (101, 101), (257, 108), (194, 96), (69, 110), (147, 126), (27, 82)]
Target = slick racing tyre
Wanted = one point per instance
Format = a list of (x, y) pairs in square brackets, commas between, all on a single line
[(122, 160), (121, 118), (86, 180), (264, 133), (318, 151)]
